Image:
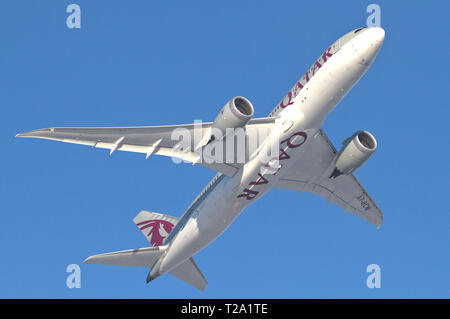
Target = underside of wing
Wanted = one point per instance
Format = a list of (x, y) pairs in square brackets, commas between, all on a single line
[(177, 141), (312, 174)]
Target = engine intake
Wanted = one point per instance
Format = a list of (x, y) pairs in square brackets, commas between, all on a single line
[(235, 113), (355, 151)]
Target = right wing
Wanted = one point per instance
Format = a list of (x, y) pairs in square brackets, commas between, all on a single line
[(311, 174), (147, 140)]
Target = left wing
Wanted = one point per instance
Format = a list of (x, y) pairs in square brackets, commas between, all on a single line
[(311, 174), (147, 140)]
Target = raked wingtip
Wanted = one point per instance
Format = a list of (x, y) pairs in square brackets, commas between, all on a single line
[(36, 133), (21, 134), (25, 134)]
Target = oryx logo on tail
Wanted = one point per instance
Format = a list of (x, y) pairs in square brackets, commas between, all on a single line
[(158, 230), (155, 227)]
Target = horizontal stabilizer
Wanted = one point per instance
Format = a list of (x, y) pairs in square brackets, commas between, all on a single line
[(141, 257), (190, 274)]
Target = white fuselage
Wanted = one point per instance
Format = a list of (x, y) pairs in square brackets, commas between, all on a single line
[(301, 114)]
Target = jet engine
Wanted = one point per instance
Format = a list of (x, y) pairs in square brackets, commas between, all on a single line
[(355, 151), (235, 113)]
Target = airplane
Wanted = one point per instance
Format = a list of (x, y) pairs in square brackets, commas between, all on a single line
[(307, 161)]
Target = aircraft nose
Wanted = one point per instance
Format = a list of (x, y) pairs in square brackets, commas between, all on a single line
[(378, 35), (369, 44)]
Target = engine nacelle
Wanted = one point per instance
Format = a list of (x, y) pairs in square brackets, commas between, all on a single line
[(355, 151), (235, 113)]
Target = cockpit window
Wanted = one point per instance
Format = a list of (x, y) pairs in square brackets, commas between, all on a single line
[(357, 30)]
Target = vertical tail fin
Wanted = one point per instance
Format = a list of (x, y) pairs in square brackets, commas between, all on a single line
[(155, 227)]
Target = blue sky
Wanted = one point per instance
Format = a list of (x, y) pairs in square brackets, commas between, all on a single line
[(171, 62)]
